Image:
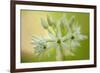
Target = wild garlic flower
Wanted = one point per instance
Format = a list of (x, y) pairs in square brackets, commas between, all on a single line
[(64, 36), (39, 44), (74, 35)]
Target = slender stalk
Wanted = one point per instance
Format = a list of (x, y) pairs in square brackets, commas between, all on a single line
[(59, 54)]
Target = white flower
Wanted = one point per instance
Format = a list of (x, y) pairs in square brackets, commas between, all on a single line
[(74, 37), (64, 35), (40, 44)]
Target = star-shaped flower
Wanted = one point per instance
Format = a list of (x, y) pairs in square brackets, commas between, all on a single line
[(64, 36)]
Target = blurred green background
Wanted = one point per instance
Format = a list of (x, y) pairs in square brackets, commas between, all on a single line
[(31, 25)]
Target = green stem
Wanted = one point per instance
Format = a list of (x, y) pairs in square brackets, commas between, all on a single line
[(59, 55)]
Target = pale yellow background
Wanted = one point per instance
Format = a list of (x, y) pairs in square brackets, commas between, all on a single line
[(30, 25)]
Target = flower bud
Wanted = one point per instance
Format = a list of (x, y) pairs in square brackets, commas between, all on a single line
[(50, 21), (44, 24)]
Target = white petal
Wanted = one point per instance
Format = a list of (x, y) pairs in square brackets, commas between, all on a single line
[(64, 45), (64, 19), (58, 30), (67, 36), (82, 37), (52, 36)]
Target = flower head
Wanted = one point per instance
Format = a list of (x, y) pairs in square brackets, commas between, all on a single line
[(40, 44), (64, 36)]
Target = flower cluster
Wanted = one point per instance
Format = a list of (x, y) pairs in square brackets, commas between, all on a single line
[(65, 36)]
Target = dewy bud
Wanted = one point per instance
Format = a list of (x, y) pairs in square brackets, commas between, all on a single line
[(44, 24)]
